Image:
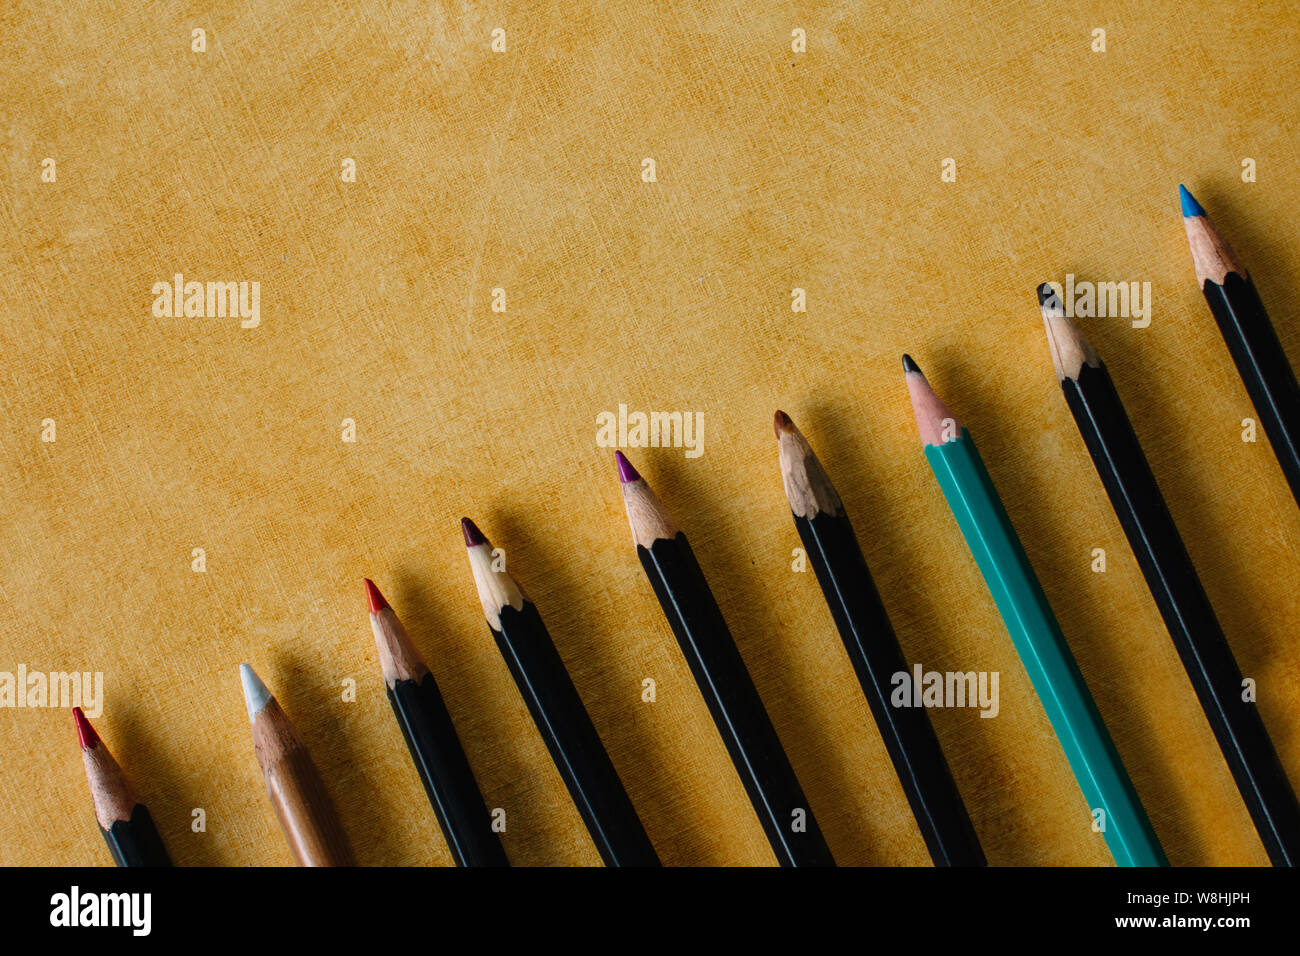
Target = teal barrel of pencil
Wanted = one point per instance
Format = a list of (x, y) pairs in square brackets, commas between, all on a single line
[(1043, 651)]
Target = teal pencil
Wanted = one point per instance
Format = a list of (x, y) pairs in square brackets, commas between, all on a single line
[(1033, 627)]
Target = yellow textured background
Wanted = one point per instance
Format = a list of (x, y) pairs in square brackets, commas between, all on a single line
[(522, 170)]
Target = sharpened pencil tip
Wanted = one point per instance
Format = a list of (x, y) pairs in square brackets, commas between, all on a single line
[(1049, 301), (626, 473), (782, 423), (86, 735), (473, 536), (1070, 350), (911, 366), (374, 598), (1190, 206), (255, 693)]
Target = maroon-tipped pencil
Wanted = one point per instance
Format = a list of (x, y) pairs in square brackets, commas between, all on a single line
[(124, 821)]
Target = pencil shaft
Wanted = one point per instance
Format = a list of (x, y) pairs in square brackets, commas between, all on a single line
[(1186, 610), (306, 815), (876, 656), (1043, 651), (293, 784), (571, 738), (1263, 366), (445, 772), (734, 703), (135, 842)]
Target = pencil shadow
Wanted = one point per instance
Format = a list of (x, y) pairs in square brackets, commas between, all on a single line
[(166, 786), (813, 748), (989, 794), (341, 766), (588, 653), (1037, 513), (496, 758)]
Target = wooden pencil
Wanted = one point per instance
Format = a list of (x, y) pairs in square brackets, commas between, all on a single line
[(431, 738), (1033, 628), (1171, 576), (874, 651), (297, 793), (124, 821), (557, 710), (1249, 335), (720, 674)]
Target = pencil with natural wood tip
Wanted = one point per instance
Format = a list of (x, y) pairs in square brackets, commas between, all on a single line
[(124, 821), (294, 785), (431, 738), (1171, 576), (874, 651), (557, 710), (1033, 628), (722, 678), (1249, 335)]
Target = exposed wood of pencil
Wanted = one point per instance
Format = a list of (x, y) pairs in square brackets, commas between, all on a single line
[(934, 420), (1212, 257), (874, 652), (432, 741), (398, 658), (1174, 584), (125, 823), (721, 676), (557, 710), (1251, 339), (294, 785)]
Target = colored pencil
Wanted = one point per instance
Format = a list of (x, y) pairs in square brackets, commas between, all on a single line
[(1249, 335), (431, 738), (720, 674), (292, 782), (124, 821), (874, 651), (1033, 627), (557, 710), (1171, 576)]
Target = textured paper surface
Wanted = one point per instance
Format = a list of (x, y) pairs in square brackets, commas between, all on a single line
[(522, 170)]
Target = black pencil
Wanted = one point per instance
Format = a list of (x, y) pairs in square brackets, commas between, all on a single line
[(1249, 335), (720, 674), (124, 821), (1174, 584), (874, 651), (557, 710), (431, 738)]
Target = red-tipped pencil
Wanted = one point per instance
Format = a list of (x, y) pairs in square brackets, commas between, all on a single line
[(124, 821)]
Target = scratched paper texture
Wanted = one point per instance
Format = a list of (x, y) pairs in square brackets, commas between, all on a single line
[(522, 170)]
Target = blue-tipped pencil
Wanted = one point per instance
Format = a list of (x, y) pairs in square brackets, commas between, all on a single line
[(1250, 336)]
